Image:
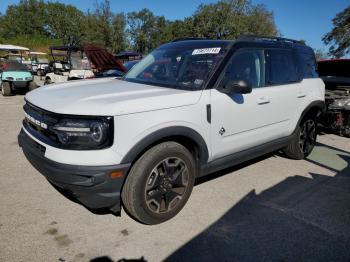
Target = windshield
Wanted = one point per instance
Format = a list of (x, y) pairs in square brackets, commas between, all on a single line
[(79, 61), (130, 64), (8, 65), (182, 66)]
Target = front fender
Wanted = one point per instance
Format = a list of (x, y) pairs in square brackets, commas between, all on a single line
[(162, 135)]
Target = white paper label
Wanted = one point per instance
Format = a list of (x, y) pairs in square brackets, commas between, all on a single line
[(203, 51)]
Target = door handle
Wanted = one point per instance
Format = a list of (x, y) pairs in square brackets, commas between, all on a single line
[(301, 95), (263, 100)]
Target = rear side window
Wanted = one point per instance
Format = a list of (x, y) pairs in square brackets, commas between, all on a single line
[(281, 67), (307, 65), (247, 65)]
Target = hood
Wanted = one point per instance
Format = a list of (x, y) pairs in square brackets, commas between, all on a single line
[(108, 97)]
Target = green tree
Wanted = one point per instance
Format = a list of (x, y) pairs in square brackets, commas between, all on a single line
[(37, 21), (119, 42), (339, 37), (142, 27), (26, 18), (103, 27), (64, 22), (230, 19)]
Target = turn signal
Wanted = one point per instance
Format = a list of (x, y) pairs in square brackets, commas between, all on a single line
[(116, 174)]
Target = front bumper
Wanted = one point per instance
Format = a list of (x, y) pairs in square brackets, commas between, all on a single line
[(20, 84), (90, 185)]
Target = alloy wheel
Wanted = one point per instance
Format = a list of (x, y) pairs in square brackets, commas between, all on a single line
[(307, 137), (166, 185)]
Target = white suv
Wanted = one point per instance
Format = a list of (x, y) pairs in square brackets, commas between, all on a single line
[(189, 108)]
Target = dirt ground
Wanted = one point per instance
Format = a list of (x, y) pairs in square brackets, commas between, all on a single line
[(270, 209)]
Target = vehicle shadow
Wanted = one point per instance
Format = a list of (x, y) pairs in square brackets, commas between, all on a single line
[(108, 259), (299, 219), (235, 168)]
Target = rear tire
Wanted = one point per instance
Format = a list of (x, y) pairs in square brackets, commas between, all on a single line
[(6, 89), (40, 72), (32, 85), (304, 140), (47, 81), (159, 183)]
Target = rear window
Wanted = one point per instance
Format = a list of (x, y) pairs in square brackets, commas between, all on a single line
[(281, 67), (307, 65)]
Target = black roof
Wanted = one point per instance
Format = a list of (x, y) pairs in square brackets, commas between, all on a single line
[(198, 43), (66, 48), (246, 40)]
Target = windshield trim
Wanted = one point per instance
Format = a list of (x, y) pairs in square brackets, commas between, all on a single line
[(151, 83)]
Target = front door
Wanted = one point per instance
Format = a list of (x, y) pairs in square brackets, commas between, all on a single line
[(242, 121)]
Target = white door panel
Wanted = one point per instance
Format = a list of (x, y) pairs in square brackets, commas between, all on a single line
[(251, 119)]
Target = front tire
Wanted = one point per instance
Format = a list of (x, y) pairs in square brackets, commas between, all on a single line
[(159, 183), (6, 89), (304, 140)]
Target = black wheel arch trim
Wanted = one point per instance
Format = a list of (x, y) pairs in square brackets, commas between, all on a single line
[(168, 134), (319, 104)]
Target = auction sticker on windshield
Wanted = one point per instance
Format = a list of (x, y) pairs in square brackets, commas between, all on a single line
[(203, 51)]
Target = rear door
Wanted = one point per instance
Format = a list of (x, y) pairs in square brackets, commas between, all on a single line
[(242, 121)]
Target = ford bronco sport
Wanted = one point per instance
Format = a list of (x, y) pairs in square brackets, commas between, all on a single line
[(189, 108)]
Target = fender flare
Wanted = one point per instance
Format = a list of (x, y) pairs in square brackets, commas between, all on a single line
[(164, 134), (315, 104)]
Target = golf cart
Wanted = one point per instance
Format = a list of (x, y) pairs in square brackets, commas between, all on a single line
[(69, 63), (39, 62), (14, 74)]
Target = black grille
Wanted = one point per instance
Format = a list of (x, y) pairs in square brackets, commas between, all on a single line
[(37, 128)]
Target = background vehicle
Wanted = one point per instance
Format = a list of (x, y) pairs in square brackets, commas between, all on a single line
[(14, 75), (104, 64), (127, 56), (110, 73), (336, 75), (189, 108), (39, 62), (130, 64), (69, 63)]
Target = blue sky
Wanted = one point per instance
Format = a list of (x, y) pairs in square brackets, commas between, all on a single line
[(298, 19)]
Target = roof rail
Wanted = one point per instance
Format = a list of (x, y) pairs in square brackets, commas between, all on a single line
[(272, 38), (188, 39)]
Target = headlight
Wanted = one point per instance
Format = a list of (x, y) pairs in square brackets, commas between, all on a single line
[(340, 103), (29, 78), (9, 78), (84, 134)]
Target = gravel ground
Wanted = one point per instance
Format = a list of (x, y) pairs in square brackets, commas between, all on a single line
[(271, 209)]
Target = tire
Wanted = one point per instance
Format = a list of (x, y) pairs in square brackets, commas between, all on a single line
[(6, 89), (304, 140), (32, 85), (152, 192), (47, 81)]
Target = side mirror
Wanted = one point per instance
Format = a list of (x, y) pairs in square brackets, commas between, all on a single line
[(237, 87)]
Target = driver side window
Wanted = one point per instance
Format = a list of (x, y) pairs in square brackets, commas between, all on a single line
[(247, 65)]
